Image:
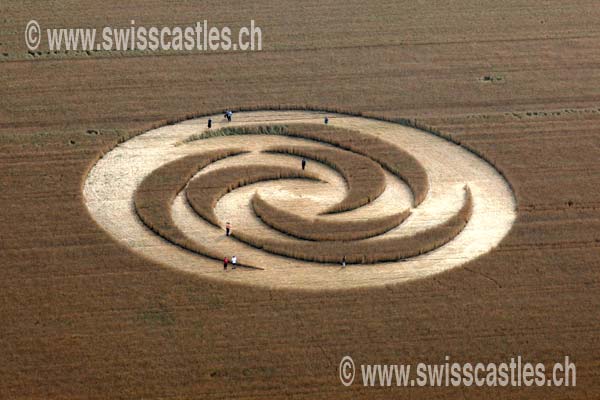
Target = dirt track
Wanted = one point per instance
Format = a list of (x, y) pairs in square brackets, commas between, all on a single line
[(111, 183)]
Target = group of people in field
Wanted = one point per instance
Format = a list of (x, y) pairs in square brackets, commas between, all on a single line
[(228, 114), (226, 262)]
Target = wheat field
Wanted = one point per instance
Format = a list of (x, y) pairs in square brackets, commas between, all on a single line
[(84, 317)]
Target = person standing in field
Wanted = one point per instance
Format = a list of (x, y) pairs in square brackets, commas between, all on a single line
[(209, 123), (227, 229), (233, 262), (344, 262), (326, 120), (303, 164), (225, 263)]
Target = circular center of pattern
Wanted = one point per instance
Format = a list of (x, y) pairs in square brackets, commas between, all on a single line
[(356, 202)]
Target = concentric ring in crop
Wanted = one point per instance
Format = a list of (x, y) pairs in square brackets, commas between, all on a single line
[(396, 203)]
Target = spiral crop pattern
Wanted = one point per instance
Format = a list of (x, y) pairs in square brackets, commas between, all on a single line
[(364, 200)]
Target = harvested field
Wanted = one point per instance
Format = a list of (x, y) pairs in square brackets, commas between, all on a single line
[(94, 305)]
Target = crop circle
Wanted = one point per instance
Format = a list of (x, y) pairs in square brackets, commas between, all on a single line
[(392, 203)]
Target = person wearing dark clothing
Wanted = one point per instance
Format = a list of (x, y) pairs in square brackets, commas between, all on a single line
[(344, 262), (228, 229), (303, 164), (326, 120), (210, 123)]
